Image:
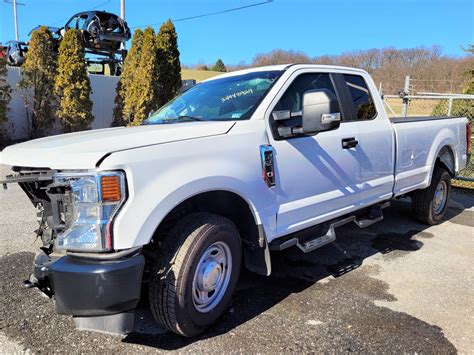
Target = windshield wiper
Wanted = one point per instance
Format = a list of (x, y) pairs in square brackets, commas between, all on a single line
[(178, 119), (191, 118)]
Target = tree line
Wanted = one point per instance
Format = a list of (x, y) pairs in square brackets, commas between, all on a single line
[(218, 66), (430, 69)]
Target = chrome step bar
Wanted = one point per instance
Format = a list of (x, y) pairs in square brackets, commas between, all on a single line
[(375, 215)]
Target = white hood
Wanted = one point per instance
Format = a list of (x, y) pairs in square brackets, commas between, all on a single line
[(83, 150)]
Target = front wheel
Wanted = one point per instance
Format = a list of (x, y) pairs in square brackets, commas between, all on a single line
[(192, 285), (429, 205)]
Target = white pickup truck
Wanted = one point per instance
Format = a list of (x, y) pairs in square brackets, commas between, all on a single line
[(239, 165)]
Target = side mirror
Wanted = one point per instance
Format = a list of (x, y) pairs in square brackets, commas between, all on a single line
[(320, 111)]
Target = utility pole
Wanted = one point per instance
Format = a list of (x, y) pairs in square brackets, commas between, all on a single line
[(122, 16), (15, 16), (16, 20), (122, 9)]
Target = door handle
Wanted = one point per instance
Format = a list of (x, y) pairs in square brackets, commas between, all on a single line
[(348, 143)]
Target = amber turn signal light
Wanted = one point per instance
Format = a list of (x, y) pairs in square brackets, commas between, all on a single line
[(111, 189)]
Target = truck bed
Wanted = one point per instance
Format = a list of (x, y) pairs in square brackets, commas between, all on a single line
[(418, 140)]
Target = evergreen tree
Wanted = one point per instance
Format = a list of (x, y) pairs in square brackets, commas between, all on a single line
[(219, 66), (72, 84), (469, 90), (169, 70), (4, 100), (37, 83), (141, 97), (129, 70)]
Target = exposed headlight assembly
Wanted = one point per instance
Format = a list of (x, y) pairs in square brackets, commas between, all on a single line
[(95, 199)]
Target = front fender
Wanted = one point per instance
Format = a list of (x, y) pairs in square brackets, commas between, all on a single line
[(193, 188), (161, 177)]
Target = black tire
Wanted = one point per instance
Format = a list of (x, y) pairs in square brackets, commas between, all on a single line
[(171, 283), (423, 201)]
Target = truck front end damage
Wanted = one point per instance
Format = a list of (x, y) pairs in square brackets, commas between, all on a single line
[(77, 265)]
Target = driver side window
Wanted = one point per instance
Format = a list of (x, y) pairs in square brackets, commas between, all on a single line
[(292, 99)]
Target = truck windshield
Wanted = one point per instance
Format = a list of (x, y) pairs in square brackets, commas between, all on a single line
[(227, 99)]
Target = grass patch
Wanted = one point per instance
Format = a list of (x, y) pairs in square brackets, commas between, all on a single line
[(463, 184), (468, 172), (198, 75), (416, 107)]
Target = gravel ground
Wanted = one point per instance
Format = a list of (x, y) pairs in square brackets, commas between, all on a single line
[(397, 286)]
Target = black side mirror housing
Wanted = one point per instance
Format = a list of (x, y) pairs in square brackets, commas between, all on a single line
[(320, 111)]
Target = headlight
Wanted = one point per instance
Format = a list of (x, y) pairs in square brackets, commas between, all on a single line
[(95, 199)]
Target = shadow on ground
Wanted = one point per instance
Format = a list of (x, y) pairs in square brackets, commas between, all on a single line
[(297, 308), (294, 272)]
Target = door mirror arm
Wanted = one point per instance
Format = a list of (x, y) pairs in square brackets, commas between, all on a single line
[(320, 112)]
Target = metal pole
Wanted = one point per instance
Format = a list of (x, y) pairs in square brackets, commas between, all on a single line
[(122, 9), (15, 3), (406, 92), (122, 16), (16, 20), (450, 106)]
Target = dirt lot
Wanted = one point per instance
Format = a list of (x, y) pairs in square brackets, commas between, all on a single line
[(397, 286)]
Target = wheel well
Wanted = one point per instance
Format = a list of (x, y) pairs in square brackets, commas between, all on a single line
[(231, 206), (446, 160)]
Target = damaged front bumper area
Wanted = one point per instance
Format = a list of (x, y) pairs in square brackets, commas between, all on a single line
[(99, 288), (100, 294)]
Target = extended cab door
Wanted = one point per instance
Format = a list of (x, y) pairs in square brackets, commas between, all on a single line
[(375, 151), (332, 173), (316, 177)]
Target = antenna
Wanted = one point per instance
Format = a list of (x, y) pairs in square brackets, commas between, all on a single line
[(15, 3)]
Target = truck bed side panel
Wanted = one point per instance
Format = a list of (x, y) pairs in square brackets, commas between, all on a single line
[(418, 142)]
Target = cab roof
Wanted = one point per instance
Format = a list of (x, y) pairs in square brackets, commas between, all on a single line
[(282, 67)]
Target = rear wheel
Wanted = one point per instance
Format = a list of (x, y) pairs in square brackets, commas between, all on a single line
[(429, 205), (199, 266)]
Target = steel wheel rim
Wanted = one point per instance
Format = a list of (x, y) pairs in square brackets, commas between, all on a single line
[(440, 197), (212, 276)]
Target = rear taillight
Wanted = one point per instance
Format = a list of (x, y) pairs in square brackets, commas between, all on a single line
[(468, 138)]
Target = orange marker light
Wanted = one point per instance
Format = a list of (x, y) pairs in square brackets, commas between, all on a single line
[(111, 189)]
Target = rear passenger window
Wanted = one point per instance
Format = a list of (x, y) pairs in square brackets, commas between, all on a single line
[(363, 102)]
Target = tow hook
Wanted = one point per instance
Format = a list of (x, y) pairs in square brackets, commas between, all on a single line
[(40, 285), (39, 278), (27, 284)]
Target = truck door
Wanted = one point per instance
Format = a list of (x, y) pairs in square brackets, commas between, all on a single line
[(316, 176), (375, 148)]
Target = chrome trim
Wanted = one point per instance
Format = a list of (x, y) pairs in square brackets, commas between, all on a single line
[(331, 117)]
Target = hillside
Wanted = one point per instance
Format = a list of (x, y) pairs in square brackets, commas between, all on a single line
[(199, 75)]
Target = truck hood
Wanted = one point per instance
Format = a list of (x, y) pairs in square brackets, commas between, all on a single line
[(83, 150)]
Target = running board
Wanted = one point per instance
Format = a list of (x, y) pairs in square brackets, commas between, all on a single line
[(375, 215)]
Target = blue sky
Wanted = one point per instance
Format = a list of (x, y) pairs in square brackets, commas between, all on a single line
[(316, 27)]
